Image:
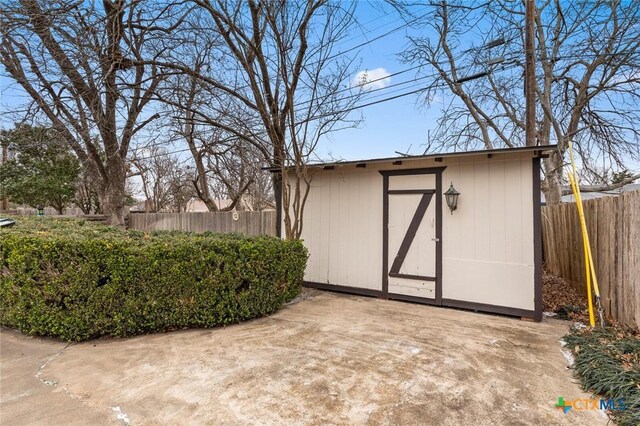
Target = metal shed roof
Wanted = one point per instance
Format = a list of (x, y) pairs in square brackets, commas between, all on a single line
[(329, 165)]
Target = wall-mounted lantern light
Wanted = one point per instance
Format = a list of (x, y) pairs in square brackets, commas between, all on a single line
[(452, 198)]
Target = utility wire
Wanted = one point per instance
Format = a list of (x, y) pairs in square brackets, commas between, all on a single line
[(508, 64), (358, 46), (364, 95), (348, 89), (344, 111), (365, 30), (509, 61), (393, 30), (503, 65), (386, 34), (421, 89), (318, 117)]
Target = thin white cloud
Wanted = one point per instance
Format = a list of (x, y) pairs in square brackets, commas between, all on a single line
[(371, 79)]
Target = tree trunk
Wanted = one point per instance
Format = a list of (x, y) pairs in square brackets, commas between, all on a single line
[(114, 192), (276, 181), (552, 186), (201, 184)]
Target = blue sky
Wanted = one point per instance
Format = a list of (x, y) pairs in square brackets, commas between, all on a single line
[(398, 125), (391, 126), (387, 127)]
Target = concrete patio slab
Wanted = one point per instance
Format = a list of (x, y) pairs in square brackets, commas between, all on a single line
[(330, 359)]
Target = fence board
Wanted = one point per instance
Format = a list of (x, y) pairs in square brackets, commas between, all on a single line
[(248, 223), (614, 233)]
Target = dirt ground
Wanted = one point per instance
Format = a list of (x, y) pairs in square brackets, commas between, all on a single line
[(329, 359)]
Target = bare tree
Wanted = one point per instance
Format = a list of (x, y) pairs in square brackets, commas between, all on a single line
[(277, 83), (86, 197), (85, 66), (233, 172), (181, 189), (588, 79), (154, 172), (165, 183), (259, 195), (225, 165)]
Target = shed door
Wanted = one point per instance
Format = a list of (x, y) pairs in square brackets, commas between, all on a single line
[(413, 235)]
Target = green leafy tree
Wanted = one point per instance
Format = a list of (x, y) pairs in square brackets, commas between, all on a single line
[(42, 171), (621, 177)]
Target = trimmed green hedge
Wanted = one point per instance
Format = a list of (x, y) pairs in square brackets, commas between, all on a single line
[(77, 280)]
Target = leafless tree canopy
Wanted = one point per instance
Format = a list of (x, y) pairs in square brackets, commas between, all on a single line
[(86, 67), (164, 180), (226, 167), (588, 80), (247, 84), (264, 75), (243, 84)]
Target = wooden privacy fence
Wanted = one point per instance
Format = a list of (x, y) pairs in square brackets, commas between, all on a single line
[(248, 223), (48, 211), (614, 232)]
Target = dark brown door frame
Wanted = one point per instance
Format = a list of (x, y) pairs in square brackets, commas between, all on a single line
[(410, 235), (437, 171)]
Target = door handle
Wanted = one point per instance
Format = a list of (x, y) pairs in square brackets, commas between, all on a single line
[(436, 239)]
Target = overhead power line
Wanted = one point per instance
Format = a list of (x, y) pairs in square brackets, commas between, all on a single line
[(412, 92), (509, 63), (344, 111), (366, 31), (364, 95), (388, 33)]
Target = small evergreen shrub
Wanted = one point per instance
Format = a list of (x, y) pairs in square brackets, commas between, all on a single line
[(607, 361), (76, 280)]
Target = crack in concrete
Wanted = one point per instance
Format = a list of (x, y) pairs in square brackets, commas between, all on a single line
[(43, 366), (54, 383), (120, 415)]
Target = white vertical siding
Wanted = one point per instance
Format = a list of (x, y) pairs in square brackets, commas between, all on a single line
[(497, 237), (487, 243), (343, 228)]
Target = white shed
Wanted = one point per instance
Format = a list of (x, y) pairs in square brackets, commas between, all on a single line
[(382, 227)]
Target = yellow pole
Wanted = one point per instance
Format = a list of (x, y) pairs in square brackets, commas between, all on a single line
[(587, 263), (585, 234)]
